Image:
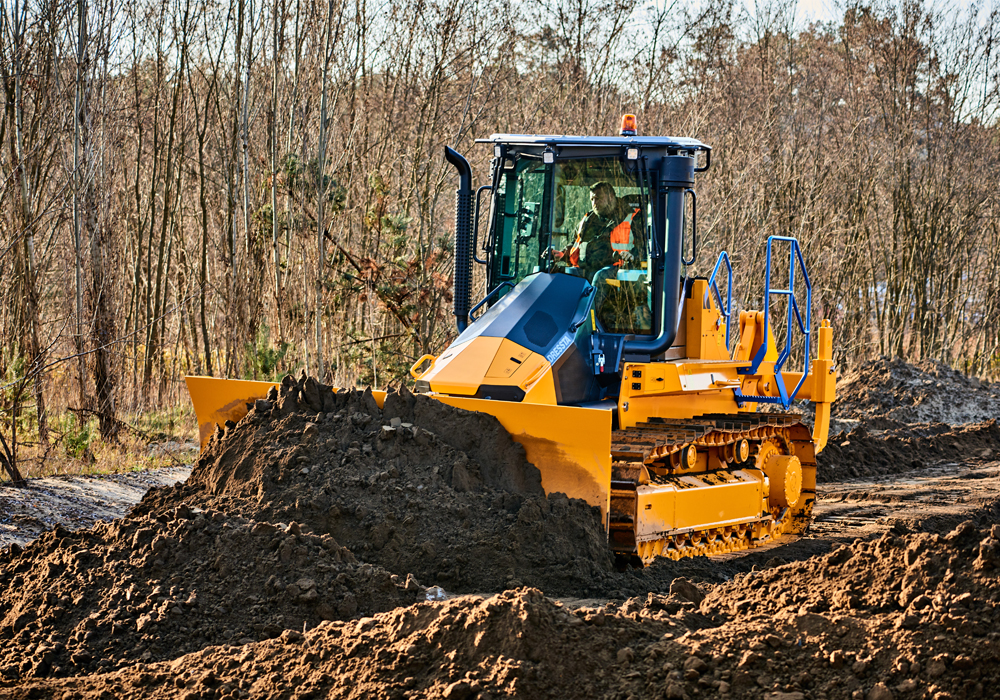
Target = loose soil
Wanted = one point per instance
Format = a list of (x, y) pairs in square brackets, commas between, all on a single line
[(906, 616), (864, 453), (152, 588), (421, 488), (293, 564), (891, 393), (891, 417)]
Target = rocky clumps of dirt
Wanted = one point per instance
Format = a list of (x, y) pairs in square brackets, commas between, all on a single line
[(891, 393), (900, 616), (863, 453), (904, 616), (157, 587), (892, 417), (515, 644), (419, 487)]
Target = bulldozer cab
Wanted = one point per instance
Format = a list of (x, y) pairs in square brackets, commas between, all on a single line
[(609, 210), (587, 216)]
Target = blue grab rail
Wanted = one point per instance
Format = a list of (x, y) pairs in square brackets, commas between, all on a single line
[(794, 256), (727, 309), (486, 298)]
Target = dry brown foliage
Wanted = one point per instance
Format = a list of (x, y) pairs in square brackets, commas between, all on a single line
[(161, 185)]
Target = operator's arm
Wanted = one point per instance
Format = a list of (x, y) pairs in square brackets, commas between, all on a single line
[(581, 231), (640, 246), (598, 252)]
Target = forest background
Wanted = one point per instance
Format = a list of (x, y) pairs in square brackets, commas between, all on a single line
[(257, 187)]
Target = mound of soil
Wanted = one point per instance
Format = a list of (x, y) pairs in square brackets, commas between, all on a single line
[(154, 588), (515, 644), (914, 614), (899, 617), (892, 417), (888, 393), (242, 582), (421, 488), (861, 453)]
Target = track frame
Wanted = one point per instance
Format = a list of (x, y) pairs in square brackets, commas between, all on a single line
[(716, 460)]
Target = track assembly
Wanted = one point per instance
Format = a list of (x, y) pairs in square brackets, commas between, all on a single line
[(759, 470)]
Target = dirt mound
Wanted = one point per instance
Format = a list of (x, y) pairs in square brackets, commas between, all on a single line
[(158, 587), (901, 616), (421, 488), (915, 614), (179, 600), (892, 417), (861, 453), (515, 644), (885, 575), (887, 393)]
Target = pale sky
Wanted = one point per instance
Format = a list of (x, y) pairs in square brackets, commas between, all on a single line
[(826, 10), (812, 10)]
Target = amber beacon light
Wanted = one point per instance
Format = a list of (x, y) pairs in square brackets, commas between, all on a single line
[(628, 125)]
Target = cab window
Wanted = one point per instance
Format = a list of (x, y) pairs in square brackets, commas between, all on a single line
[(588, 217), (602, 219)]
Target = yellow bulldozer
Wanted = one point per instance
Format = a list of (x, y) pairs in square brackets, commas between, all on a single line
[(617, 372)]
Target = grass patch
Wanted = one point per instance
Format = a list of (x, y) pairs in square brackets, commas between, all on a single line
[(155, 440)]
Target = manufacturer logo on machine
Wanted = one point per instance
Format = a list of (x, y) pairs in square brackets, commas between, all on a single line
[(559, 348)]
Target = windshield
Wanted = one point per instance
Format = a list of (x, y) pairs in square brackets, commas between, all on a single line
[(520, 241), (588, 217)]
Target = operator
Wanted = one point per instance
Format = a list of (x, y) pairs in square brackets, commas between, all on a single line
[(609, 234)]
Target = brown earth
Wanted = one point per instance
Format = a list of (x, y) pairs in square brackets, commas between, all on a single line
[(196, 594), (892, 417), (154, 588), (421, 488), (900, 616), (863, 453), (890, 393)]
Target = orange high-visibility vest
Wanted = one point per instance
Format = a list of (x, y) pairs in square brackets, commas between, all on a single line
[(621, 240), (621, 236)]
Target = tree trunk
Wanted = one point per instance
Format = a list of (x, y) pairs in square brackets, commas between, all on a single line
[(35, 352), (321, 194), (276, 258), (82, 204)]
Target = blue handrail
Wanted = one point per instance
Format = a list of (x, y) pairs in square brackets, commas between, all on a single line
[(727, 309), (794, 256), (486, 298)]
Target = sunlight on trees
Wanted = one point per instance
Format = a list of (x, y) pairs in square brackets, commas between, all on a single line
[(254, 187)]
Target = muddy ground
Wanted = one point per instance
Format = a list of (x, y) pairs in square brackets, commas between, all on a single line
[(306, 555), (74, 501)]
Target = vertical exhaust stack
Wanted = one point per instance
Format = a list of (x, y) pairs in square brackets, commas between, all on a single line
[(463, 237)]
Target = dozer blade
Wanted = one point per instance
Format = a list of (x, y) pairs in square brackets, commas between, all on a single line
[(218, 400), (570, 446)]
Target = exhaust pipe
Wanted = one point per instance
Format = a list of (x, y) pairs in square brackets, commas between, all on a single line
[(463, 238)]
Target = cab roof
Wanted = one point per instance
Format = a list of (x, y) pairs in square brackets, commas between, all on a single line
[(670, 142)]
